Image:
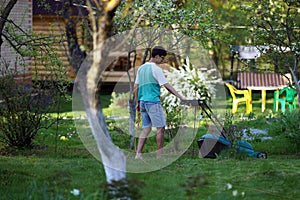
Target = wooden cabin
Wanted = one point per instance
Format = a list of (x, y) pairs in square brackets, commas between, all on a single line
[(47, 22)]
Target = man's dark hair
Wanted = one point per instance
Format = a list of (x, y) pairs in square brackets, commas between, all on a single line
[(158, 50)]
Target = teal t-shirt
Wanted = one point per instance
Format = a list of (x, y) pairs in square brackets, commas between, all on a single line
[(149, 85)]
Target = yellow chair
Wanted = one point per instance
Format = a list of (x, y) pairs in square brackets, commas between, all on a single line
[(235, 101)]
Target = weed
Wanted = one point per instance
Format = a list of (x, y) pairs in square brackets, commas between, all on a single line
[(122, 189), (194, 185)]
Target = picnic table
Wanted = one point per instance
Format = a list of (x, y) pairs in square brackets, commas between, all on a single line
[(262, 82)]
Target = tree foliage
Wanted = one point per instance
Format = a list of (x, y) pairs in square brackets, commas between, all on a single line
[(276, 25), (193, 19), (232, 30)]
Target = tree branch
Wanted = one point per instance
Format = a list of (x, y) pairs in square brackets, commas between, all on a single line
[(76, 55), (4, 16)]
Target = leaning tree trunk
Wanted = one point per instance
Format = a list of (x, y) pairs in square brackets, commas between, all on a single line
[(113, 158), (297, 82), (3, 17), (101, 14)]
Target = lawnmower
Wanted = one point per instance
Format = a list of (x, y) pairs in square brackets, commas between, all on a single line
[(211, 145)]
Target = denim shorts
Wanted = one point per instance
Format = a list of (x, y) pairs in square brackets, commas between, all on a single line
[(152, 114)]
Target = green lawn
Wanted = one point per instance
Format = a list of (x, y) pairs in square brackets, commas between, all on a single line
[(56, 167), (42, 177)]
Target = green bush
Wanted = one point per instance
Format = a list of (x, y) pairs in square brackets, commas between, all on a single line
[(287, 128), (24, 110)]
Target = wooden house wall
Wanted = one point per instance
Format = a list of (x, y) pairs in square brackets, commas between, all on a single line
[(53, 25)]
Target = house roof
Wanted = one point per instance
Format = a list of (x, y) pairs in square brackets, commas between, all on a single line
[(54, 7)]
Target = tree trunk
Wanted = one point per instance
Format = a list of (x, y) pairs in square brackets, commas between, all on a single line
[(297, 83), (88, 74), (5, 13)]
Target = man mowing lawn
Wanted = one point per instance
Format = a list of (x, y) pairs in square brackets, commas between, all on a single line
[(149, 79)]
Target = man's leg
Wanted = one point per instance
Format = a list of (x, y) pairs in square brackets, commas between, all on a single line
[(160, 140), (142, 140)]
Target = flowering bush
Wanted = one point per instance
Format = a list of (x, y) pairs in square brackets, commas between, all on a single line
[(191, 82)]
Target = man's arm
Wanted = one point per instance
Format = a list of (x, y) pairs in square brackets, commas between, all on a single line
[(173, 91)]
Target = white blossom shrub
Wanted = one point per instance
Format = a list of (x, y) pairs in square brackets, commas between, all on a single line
[(191, 82)]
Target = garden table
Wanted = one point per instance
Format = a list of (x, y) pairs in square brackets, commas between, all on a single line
[(262, 82)]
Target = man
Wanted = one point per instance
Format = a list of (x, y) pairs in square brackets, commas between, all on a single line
[(150, 78)]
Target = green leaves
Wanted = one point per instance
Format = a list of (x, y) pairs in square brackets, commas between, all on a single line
[(193, 19), (276, 24)]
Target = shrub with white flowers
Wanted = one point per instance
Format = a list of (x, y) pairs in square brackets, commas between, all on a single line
[(192, 83)]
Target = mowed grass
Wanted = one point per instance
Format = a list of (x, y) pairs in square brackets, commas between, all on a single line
[(35, 177), (56, 167)]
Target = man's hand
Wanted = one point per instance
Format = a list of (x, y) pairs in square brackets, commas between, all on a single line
[(173, 91), (182, 98)]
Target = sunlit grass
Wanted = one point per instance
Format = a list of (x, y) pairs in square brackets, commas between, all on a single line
[(56, 166)]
